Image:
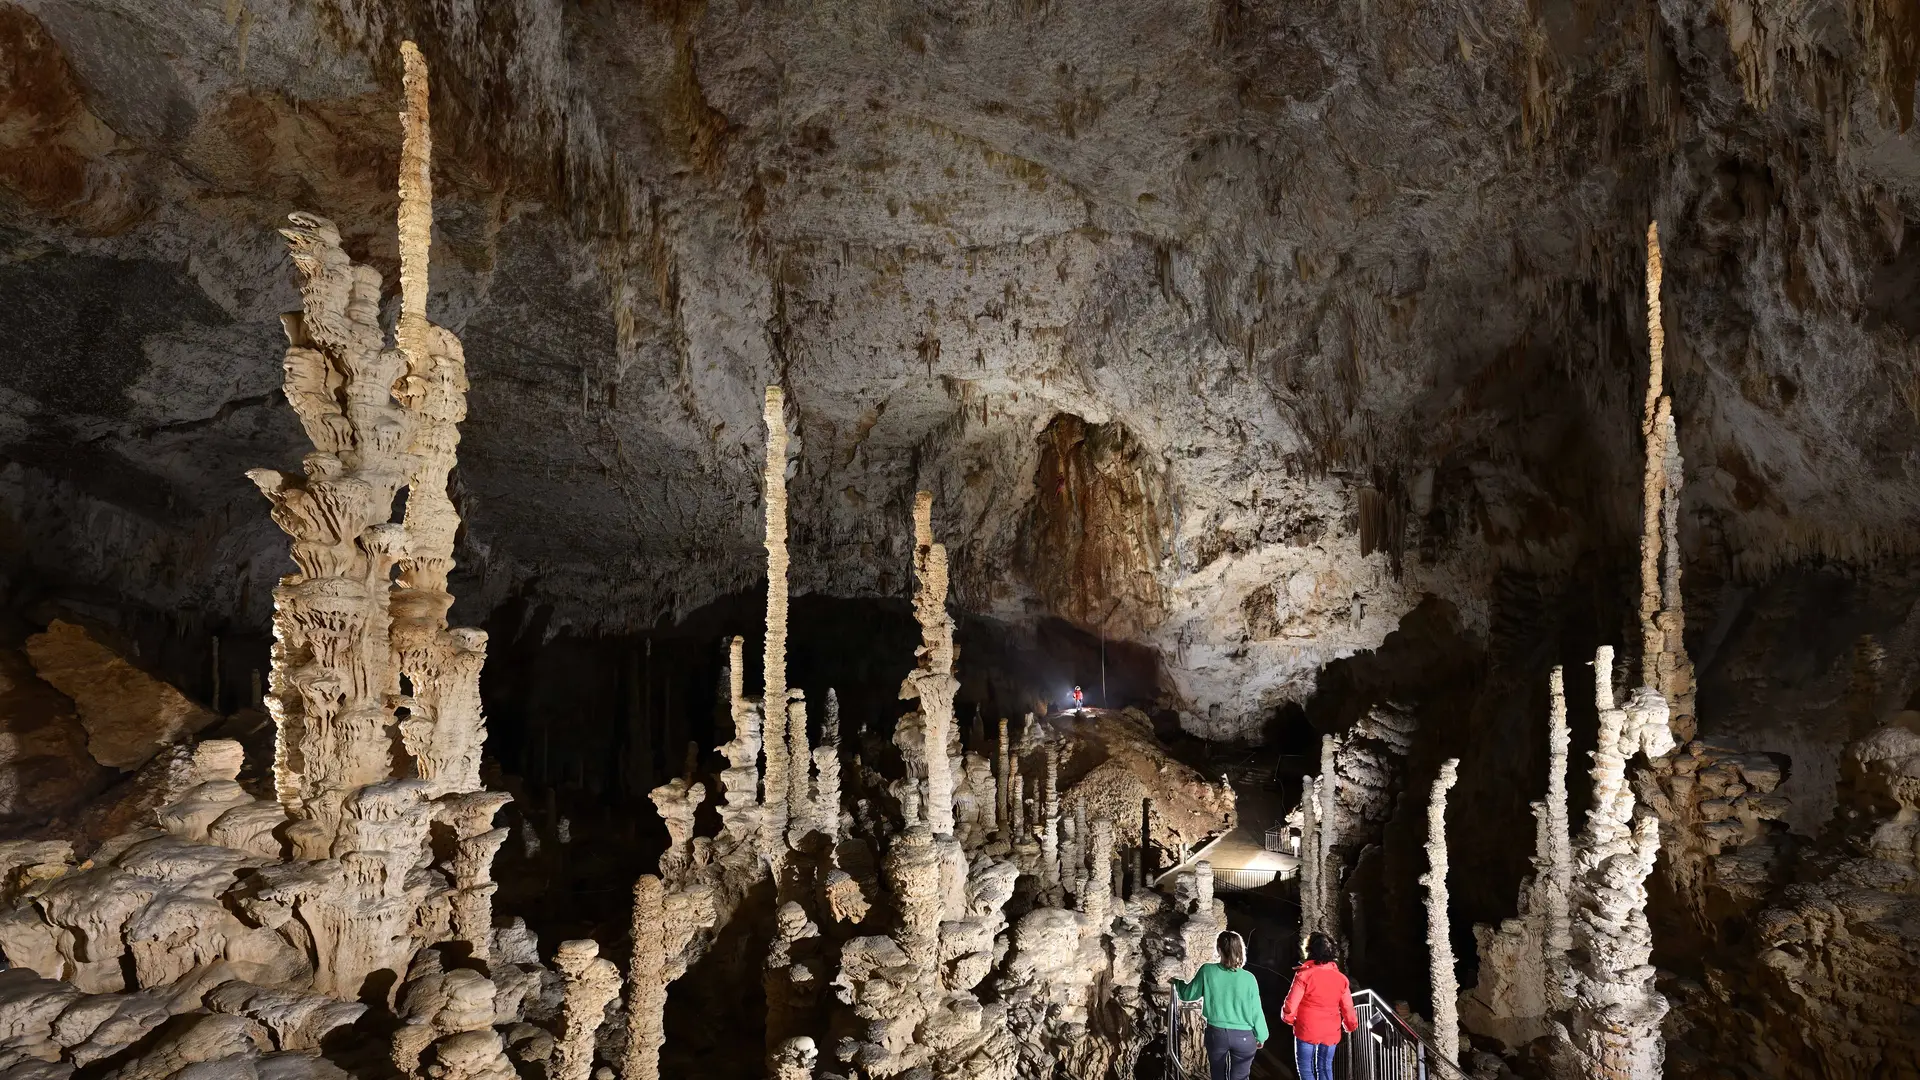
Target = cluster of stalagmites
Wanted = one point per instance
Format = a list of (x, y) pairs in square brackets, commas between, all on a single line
[(955, 921)]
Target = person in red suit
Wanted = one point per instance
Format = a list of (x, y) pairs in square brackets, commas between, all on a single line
[(1319, 1007)]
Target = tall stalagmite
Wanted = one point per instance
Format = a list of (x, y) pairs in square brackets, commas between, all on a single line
[(1327, 872), (1559, 869), (773, 697), (346, 635), (1664, 665), (1614, 1012), (1446, 988), (932, 681), (1310, 862), (741, 780)]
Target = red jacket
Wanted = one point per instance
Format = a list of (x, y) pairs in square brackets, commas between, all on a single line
[(1319, 1004)]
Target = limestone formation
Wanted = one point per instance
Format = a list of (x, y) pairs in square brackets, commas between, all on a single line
[(932, 682), (1663, 656), (1368, 766), (592, 983), (128, 715), (277, 923), (1312, 865), (1614, 1011), (773, 696), (741, 781), (1326, 854), (1446, 988)]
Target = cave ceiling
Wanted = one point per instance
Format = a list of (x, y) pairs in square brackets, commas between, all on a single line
[(1175, 307)]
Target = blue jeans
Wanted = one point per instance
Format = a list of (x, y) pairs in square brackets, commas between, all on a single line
[(1229, 1053), (1315, 1060)]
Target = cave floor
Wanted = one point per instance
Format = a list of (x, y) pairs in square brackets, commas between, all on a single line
[(1240, 859)]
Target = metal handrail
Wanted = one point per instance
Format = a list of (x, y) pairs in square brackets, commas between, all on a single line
[(1384, 1057), (1364, 1061)]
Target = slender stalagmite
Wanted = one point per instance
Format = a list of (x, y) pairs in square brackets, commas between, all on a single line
[(647, 982), (800, 784), (742, 777), (1664, 665), (1676, 669), (1654, 484), (1559, 850), (444, 727), (1050, 822), (1614, 1010), (932, 680), (591, 983), (1082, 840), (1097, 899), (826, 772), (1003, 786), (773, 698), (1329, 870), (1446, 989), (1309, 860)]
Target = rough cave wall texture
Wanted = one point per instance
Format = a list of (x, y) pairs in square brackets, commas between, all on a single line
[(1332, 278)]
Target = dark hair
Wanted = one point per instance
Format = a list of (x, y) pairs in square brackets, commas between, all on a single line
[(1319, 949), (1233, 951)]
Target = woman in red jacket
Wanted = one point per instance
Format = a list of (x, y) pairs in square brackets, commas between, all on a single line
[(1319, 1006)]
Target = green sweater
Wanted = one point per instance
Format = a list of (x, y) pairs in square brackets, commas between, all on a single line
[(1230, 999)]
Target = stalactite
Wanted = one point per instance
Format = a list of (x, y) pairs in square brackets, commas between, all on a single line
[(1446, 989)]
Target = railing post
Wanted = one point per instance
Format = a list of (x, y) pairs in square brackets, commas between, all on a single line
[(1360, 1044), (1420, 1050)]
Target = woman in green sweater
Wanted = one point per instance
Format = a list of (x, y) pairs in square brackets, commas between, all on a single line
[(1230, 1000)]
